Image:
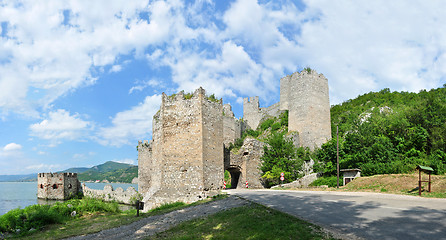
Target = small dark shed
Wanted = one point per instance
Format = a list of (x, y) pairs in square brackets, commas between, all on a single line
[(350, 174)]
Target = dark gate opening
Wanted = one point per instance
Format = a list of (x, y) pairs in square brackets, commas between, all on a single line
[(235, 176)]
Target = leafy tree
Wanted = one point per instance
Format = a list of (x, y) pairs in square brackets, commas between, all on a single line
[(280, 155)]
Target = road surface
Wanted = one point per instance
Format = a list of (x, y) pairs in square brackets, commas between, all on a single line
[(359, 215)]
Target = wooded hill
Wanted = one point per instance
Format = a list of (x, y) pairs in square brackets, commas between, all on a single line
[(110, 171), (388, 132)]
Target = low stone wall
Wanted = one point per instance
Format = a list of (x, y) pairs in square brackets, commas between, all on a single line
[(301, 182), (108, 194)]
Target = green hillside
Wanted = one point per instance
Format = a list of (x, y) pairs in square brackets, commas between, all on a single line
[(388, 132), (76, 170), (110, 171)]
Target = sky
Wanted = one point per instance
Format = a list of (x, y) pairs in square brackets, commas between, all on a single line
[(81, 80)]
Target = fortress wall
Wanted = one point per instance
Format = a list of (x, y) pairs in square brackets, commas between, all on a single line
[(247, 159), (187, 150), (145, 165), (232, 127), (108, 194), (213, 161), (273, 110), (285, 92), (156, 160), (251, 112), (182, 144), (71, 185), (309, 108)]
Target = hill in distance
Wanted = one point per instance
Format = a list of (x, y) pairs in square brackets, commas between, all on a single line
[(110, 171)]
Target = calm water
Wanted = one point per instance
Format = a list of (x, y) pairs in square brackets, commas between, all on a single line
[(22, 194)]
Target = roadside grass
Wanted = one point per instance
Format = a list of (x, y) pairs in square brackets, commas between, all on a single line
[(248, 222), (98, 221), (404, 184)]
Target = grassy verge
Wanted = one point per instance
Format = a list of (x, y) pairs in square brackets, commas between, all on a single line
[(248, 222), (95, 221), (404, 184)]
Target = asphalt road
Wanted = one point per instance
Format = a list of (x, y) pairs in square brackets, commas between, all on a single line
[(360, 215)]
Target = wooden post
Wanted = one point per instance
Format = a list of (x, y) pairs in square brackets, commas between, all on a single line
[(337, 154), (429, 181), (137, 208), (419, 182)]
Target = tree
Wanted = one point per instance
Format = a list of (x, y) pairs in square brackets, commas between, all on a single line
[(280, 155)]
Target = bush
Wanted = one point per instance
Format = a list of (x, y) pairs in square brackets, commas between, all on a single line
[(276, 126), (280, 156), (330, 181), (37, 216), (266, 124)]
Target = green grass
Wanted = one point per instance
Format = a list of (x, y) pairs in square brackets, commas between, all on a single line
[(92, 222), (248, 222)]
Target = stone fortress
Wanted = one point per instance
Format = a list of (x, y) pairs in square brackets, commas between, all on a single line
[(187, 156), (58, 186)]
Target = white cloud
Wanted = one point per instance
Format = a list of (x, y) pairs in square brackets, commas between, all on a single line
[(12, 147), (60, 125), (367, 47), (55, 46), (116, 68), (127, 160), (145, 84), (130, 125), (11, 151), (44, 167)]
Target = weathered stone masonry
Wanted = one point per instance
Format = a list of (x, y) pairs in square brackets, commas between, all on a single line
[(184, 160), (305, 95), (57, 186)]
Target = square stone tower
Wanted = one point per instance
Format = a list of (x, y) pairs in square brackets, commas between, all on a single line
[(57, 186), (184, 160)]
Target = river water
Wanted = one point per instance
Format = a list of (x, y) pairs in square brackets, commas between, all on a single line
[(22, 194)]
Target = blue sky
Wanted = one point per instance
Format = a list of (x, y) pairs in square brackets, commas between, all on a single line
[(81, 80)]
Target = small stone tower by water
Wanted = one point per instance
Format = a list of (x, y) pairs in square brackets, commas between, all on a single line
[(57, 186)]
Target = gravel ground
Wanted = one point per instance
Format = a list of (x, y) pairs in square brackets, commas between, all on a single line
[(159, 223)]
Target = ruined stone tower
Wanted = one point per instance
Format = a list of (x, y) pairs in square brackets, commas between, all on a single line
[(184, 160), (57, 186), (305, 96), (253, 114)]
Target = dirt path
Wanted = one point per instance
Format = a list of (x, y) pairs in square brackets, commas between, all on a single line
[(159, 223)]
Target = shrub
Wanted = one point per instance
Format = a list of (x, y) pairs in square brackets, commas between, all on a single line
[(276, 126), (37, 216), (280, 156), (266, 124), (331, 181)]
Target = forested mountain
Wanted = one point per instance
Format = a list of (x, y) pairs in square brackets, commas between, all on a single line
[(388, 132), (110, 171)]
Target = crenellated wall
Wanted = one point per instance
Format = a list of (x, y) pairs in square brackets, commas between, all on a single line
[(109, 194), (253, 114), (232, 127)]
